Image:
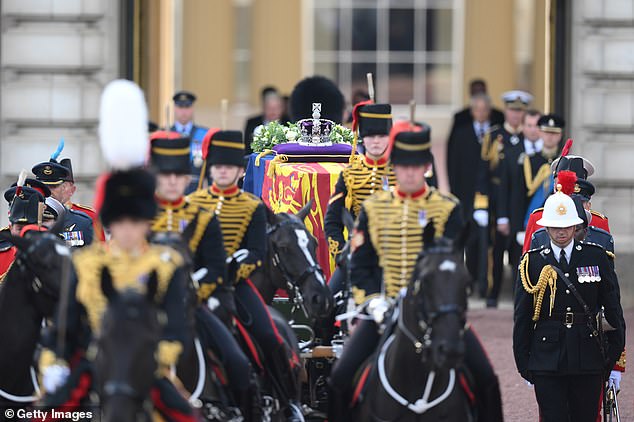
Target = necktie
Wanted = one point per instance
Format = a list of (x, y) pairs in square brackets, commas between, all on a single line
[(562, 257)]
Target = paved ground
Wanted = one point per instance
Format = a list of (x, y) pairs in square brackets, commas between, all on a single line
[(495, 330)]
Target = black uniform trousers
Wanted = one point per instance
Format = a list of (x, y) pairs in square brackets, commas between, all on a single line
[(502, 244), (215, 335), (568, 397)]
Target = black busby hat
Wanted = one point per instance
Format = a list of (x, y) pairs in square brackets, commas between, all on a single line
[(170, 153), (128, 193), (184, 99), (224, 147), (25, 207), (551, 123), (52, 173), (33, 184), (317, 89), (412, 144), (374, 119)]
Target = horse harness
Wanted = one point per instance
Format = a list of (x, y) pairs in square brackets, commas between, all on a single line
[(292, 284)]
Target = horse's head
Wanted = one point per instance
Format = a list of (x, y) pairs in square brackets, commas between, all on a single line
[(43, 260), (125, 364), (293, 251), (436, 302)]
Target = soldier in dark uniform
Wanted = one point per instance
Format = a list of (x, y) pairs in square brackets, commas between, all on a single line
[(385, 245), (525, 179), (89, 211), (184, 125), (500, 146), (367, 174), (127, 211), (556, 343), (170, 158), (25, 208), (242, 219), (78, 226)]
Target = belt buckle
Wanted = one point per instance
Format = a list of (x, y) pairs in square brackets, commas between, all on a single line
[(570, 317)]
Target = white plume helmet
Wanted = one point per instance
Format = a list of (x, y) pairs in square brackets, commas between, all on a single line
[(123, 125)]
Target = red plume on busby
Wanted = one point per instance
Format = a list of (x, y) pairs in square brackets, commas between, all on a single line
[(355, 113), (567, 179), (566, 149)]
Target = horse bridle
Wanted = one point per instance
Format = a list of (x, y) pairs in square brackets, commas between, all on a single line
[(426, 320), (24, 264), (292, 285)]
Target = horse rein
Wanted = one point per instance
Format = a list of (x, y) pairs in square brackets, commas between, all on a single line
[(292, 285)]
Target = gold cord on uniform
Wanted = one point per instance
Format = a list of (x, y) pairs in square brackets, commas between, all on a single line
[(547, 278)]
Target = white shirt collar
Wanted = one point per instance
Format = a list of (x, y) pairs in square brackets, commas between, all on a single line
[(184, 128), (557, 250), (533, 147)]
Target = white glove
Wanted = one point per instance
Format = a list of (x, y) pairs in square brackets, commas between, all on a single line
[(481, 217), (519, 238), (54, 377), (238, 256), (615, 379), (212, 303)]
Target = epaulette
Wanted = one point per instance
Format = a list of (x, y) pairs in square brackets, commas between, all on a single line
[(598, 214), (537, 210), (80, 214), (596, 245), (84, 207), (537, 249), (600, 230), (449, 196)]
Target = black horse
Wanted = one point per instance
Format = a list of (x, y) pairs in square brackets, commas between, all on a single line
[(28, 295), (415, 376), (291, 264), (124, 364)]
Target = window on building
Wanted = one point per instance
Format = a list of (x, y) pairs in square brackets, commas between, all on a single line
[(409, 46)]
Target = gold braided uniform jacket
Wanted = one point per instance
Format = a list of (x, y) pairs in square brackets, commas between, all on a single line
[(356, 183), (389, 237), (242, 219), (205, 243), (87, 303)]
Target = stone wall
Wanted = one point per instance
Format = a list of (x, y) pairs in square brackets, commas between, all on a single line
[(55, 58), (602, 115)]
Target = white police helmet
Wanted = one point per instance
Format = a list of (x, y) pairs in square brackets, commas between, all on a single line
[(559, 211)]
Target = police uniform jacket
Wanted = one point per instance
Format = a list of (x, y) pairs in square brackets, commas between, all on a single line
[(242, 218), (205, 245), (356, 183), (87, 303), (550, 335), (389, 237)]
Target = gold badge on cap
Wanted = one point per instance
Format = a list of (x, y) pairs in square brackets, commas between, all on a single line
[(561, 209), (47, 170)]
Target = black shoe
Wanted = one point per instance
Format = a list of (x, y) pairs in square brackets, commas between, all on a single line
[(492, 303)]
